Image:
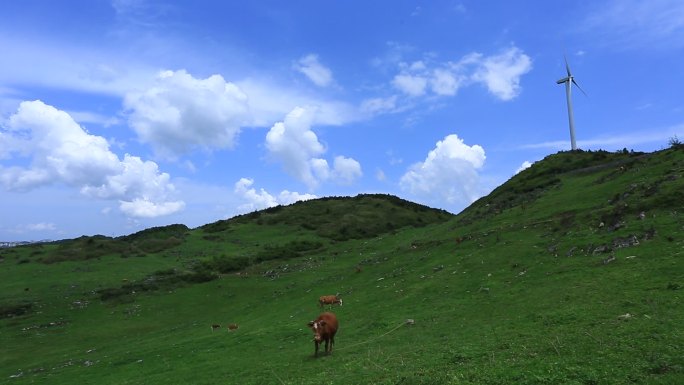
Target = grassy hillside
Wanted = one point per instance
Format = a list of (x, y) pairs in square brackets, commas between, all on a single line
[(569, 273)]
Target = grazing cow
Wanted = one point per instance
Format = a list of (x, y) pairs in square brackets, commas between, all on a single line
[(330, 300), (324, 328), (232, 326), (215, 326)]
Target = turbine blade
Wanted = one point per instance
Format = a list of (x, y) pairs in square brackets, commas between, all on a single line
[(567, 66), (580, 88), (561, 81)]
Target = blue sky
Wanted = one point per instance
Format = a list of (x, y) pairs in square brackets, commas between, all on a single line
[(118, 115)]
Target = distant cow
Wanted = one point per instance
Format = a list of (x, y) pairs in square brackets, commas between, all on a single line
[(232, 326), (330, 300), (215, 326), (324, 328)]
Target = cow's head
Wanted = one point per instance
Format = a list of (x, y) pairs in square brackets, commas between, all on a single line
[(317, 327)]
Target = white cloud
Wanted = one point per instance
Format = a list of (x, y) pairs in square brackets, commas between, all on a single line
[(62, 152), (444, 82), (320, 168), (91, 117), (181, 113), (346, 170), (413, 85), (38, 230), (258, 200), (448, 175), (141, 189), (287, 197), (379, 105), (499, 73), (525, 165), (269, 102), (255, 200), (144, 208), (296, 146), (315, 71), (41, 226)]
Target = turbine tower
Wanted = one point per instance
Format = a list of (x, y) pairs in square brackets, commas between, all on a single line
[(569, 81)]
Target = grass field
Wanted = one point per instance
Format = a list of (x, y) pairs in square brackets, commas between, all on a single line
[(570, 273)]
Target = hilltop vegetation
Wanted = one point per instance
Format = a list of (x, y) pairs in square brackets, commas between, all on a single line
[(569, 273), (341, 218)]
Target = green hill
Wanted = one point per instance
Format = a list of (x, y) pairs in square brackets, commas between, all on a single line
[(569, 273)]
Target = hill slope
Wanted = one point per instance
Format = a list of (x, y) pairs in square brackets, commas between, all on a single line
[(570, 273)]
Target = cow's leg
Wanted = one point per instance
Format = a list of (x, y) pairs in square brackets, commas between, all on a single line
[(316, 344), (332, 343), (326, 345)]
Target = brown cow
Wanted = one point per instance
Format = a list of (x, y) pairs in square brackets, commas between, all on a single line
[(330, 300), (324, 328), (232, 326)]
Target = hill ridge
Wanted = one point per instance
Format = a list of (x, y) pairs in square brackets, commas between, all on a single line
[(557, 276)]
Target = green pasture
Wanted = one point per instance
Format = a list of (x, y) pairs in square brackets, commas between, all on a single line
[(570, 273)]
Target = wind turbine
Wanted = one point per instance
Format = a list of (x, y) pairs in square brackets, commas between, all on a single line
[(569, 81)]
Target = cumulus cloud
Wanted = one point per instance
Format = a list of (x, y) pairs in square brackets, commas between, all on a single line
[(140, 187), (314, 70), (258, 200), (288, 197), (60, 151), (346, 170), (181, 113), (296, 146), (525, 165), (448, 175), (500, 74)]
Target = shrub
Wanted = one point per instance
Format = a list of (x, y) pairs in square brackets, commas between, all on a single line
[(229, 264), (287, 251), (15, 309), (199, 277)]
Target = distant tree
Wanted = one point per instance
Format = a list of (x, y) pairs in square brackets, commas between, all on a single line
[(674, 142)]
